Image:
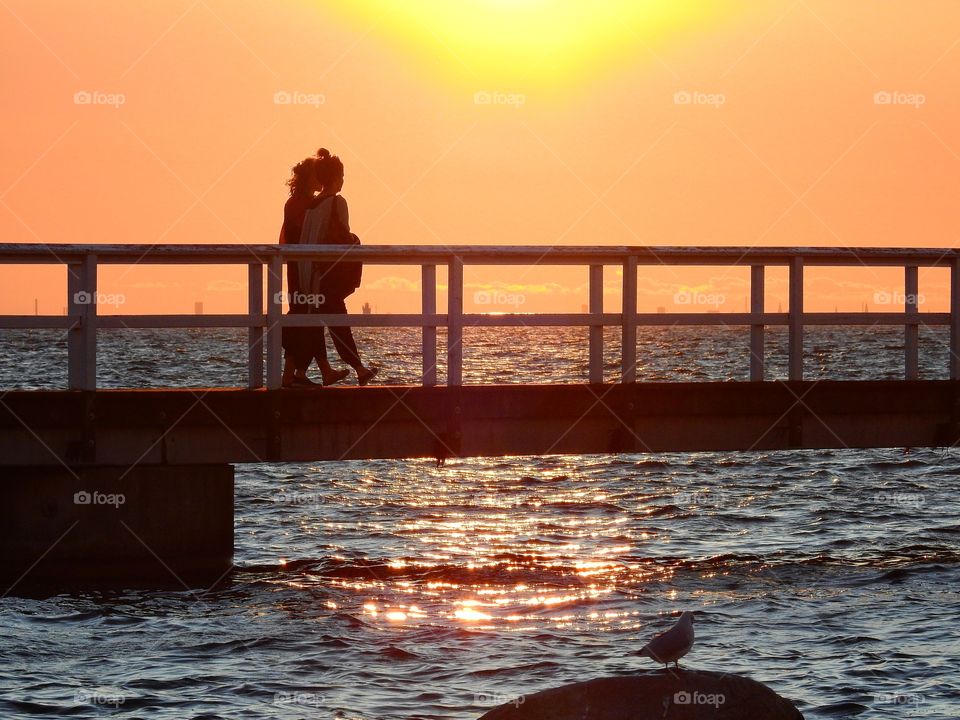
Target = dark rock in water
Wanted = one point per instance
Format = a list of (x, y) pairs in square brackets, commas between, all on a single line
[(656, 695)]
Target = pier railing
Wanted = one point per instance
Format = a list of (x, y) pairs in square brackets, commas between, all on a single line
[(264, 322)]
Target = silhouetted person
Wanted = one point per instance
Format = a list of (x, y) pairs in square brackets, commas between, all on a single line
[(320, 225), (302, 344)]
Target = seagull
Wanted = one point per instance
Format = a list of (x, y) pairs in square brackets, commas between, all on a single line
[(671, 645)]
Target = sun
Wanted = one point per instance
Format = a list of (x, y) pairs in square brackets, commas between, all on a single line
[(520, 45)]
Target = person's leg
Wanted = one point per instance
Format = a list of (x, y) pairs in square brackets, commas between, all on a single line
[(298, 353), (288, 371), (331, 376), (316, 343), (343, 340), (346, 346), (344, 343), (318, 348)]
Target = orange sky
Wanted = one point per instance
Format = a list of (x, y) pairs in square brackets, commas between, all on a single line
[(612, 122)]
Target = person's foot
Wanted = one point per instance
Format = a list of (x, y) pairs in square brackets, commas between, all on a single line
[(302, 381), (332, 377), (366, 374)]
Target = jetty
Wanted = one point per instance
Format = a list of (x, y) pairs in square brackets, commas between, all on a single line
[(68, 455)]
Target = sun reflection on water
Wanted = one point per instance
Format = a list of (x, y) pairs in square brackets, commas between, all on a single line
[(544, 557)]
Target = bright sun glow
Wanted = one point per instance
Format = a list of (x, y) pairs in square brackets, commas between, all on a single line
[(518, 45)]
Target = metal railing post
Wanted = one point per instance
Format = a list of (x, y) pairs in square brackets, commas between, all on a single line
[(455, 321), (911, 331), (428, 306), (796, 319), (596, 329), (628, 358), (757, 329), (955, 319), (274, 316), (255, 332), (82, 338)]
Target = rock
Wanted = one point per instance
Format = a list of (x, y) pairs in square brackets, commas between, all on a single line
[(654, 695)]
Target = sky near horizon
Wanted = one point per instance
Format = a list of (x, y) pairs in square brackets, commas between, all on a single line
[(543, 122)]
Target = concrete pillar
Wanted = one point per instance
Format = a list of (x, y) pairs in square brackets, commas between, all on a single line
[(156, 525)]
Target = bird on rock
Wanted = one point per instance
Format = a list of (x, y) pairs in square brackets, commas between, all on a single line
[(671, 645)]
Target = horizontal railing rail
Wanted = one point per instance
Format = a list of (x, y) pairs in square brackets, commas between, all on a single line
[(264, 324), (35, 253)]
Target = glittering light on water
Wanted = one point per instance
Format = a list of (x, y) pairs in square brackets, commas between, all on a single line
[(471, 615)]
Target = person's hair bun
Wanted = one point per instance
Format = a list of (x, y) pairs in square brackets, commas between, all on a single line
[(328, 167)]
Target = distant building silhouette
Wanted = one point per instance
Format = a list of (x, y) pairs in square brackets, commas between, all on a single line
[(367, 310), (198, 308)]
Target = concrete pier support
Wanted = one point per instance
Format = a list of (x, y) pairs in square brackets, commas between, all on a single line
[(157, 525)]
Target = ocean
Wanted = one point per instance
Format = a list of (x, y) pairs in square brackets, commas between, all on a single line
[(381, 590)]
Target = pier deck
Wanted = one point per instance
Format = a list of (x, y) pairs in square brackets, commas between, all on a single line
[(191, 427)]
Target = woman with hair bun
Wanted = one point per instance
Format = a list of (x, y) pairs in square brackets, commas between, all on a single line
[(301, 344), (330, 207)]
